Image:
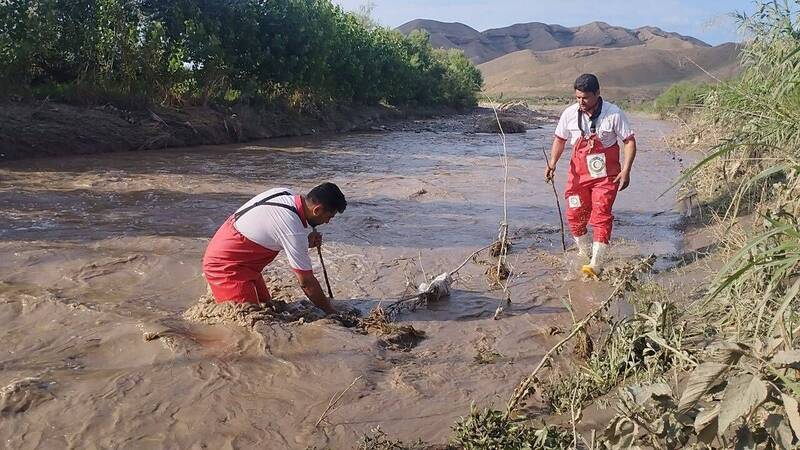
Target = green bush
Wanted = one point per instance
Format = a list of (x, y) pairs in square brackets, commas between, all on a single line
[(488, 428), (212, 50), (681, 98)]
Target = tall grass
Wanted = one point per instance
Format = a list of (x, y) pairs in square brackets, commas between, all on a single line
[(744, 392), (681, 99), (735, 349), (755, 170)]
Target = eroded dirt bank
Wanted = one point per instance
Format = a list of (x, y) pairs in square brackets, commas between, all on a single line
[(37, 129)]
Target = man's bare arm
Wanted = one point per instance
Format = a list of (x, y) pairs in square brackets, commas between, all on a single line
[(312, 289), (624, 177)]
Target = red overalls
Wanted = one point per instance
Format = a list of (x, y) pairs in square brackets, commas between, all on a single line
[(591, 189), (232, 263)]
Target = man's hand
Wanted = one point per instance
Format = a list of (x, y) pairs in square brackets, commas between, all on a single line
[(314, 239), (624, 179), (310, 286), (555, 154), (549, 173)]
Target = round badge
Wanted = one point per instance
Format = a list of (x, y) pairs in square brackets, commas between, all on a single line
[(597, 164)]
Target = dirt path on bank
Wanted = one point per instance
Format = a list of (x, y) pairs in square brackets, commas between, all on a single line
[(99, 250)]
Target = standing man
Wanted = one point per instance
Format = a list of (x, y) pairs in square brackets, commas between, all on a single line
[(252, 237), (593, 127)]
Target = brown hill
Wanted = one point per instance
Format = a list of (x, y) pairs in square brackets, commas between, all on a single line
[(455, 35), (485, 46), (624, 72)]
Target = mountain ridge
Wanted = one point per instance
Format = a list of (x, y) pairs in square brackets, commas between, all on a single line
[(536, 59)]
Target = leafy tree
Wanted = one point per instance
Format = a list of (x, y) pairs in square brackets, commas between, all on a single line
[(221, 50)]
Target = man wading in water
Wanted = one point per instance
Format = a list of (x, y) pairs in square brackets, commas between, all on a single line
[(252, 237), (593, 127)]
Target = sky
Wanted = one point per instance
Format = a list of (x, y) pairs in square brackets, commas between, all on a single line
[(708, 20)]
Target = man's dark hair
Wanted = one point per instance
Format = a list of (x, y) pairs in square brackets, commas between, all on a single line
[(329, 196), (587, 83)]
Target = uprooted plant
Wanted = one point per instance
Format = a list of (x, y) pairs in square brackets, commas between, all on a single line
[(397, 336)]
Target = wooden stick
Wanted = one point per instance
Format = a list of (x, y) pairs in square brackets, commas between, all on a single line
[(334, 400), (503, 235), (324, 271), (454, 271), (558, 203)]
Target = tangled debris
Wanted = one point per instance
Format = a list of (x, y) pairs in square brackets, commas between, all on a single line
[(498, 273), (627, 271), (584, 346), (381, 321), (378, 322), (500, 248), (396, 336)]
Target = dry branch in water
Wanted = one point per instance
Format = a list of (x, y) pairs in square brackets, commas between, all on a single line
[(499, 275), (334, 400), (499, 247)]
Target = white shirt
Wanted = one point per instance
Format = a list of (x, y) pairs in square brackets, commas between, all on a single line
[(277, 228), (611, 125)]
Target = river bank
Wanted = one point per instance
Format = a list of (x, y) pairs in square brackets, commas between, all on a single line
[(37, 129)]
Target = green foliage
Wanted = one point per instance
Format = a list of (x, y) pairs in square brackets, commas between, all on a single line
[(757, 164), (739, 394), (640, 347), (744, 392), (681, 98), (489, 429), (203, 50), (461, 79)]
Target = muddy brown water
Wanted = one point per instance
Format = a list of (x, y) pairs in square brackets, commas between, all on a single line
[(97, 250)]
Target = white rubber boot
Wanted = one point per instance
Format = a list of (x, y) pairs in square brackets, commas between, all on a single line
[(584, 244), (594, 267)]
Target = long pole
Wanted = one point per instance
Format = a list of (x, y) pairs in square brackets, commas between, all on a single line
[(558, 203), (324, 271)]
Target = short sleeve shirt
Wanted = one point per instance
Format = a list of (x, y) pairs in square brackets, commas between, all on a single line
[(612, 125), (277, 228)]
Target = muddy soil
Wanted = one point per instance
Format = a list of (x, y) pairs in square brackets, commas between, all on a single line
[(37, 129), (101, 257)]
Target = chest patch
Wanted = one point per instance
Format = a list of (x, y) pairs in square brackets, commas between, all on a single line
[(597, 165)]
